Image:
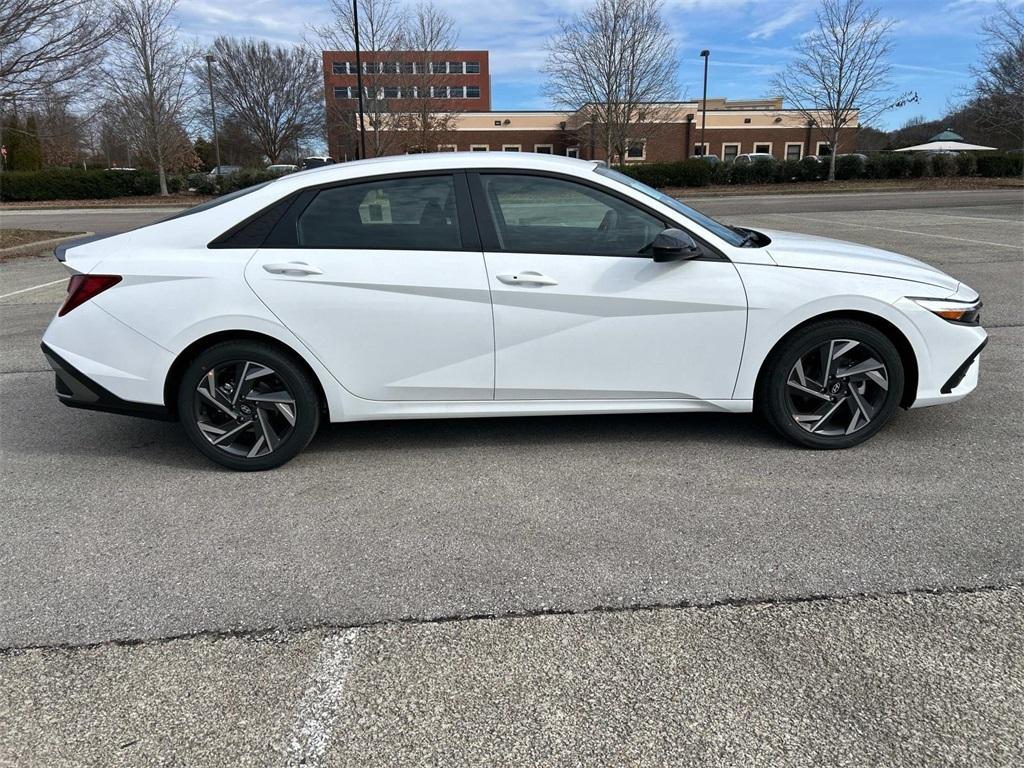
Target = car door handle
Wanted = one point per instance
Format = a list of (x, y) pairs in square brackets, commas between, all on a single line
[(293, 268), (527, 278)]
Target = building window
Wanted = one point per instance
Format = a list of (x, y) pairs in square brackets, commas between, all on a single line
[(699, 150), (454, 67), (439, 91), (408, 68), (636, 149), (746, 120), (824, 149), (392, 92), (472, 67), (729, 152), (438, 67), (479, 147), (511, 147), (763, 149), (572, 152), (342, 92), (543, 149), (456, 92), (472, 91), (794, 151), (339, 68), (497, 122), (447, 148)]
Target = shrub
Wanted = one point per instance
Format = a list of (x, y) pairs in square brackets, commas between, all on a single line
[(204, 185), (1000, 164), (920, 166), (944, 165), (812, 170), (688, 173), (849, 167), (966, 164), (789, 170), (176, 184), (76, 184), (757, 172), (247, 177)]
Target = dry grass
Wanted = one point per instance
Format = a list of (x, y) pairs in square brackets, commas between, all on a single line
[(851, 185), (12, 238)]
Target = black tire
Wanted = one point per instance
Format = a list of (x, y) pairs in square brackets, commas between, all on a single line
[(232, 362), (780, 403)]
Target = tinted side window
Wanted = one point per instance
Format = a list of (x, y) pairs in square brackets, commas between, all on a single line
[(397, 214), (538, 214)]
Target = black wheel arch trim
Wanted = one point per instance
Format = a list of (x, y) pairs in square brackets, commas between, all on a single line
[(76, 390)]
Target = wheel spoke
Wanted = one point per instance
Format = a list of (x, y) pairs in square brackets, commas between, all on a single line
[(798, 369), (828, 414), (853, 423), (239, 378), (826, 360), (809, 391), (214, 400), (849, 345), (268, 431), (254, 451), (273, 397), (864, 408), (233, 433), (871, 364), (879, 378)]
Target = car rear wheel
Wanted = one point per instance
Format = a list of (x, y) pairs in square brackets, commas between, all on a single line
[(833, 384), (248, 406)]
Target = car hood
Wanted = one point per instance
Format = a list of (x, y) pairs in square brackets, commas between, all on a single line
[(789, 249)]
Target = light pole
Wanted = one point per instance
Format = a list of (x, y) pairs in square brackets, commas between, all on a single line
[(359, 80), (213, 110), (705, 54)]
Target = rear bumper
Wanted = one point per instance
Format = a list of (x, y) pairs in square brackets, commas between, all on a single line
[(76, 390)]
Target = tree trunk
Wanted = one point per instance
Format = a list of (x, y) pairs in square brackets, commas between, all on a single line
[(163, 179), (832, 159)]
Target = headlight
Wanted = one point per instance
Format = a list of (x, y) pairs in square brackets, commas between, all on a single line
[(960, 312)]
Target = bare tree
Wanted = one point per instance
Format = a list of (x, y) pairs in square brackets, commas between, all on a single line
[(51, 45), (841, 71), (997, 95), (382, 29), (614, 61), (429, 121), (275, 93), (147, 76)]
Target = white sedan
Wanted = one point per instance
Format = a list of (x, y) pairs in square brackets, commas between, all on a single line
[(494, 284)]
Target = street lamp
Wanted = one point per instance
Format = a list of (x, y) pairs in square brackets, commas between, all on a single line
[(359, 80), (213, 110), (705, 54)]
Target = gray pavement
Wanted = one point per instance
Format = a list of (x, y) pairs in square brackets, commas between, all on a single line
[(908, 680), (115, 530)]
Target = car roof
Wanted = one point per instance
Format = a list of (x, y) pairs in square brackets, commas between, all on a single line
[(436, 161)]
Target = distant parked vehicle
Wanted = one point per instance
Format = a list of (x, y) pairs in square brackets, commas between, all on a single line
[(223, 170), (711, 160), (282, 168), (815, 158), (316, 162), (116, 168), (753, 157)]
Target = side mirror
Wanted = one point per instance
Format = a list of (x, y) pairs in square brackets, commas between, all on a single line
[(674, 245)]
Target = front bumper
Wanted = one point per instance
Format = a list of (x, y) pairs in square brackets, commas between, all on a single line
[(76, 390)]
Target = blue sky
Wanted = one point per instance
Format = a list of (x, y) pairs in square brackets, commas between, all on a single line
[(936, 41)]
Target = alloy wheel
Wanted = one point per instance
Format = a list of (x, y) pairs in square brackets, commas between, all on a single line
[(837, 387), (244, 408)]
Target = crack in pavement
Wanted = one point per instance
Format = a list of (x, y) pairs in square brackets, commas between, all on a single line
[(735, 602)]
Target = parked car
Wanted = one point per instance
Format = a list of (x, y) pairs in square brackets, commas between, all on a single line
[(282, 168), (753, 157), (494, 284), (711, 160), (316, 162), (223, 170)]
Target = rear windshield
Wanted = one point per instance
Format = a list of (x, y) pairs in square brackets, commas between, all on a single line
[(218, 201)]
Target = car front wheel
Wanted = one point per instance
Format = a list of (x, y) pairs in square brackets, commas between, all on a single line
[(833, 384), (248, 406)]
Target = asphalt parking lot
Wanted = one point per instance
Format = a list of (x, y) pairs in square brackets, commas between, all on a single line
[(703, 576)]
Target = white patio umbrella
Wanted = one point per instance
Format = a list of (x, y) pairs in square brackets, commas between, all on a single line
[(932, 146), (945, 142)]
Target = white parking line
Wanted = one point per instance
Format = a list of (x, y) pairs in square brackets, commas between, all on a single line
[(33, 288), (902, 231), (970, 218), (318, 709)]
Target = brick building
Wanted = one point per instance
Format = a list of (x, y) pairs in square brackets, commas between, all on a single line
[(457, 86)]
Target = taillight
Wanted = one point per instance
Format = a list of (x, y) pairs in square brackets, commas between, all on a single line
[(81, 288)]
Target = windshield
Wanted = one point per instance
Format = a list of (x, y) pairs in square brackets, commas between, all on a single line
[(721, 230)]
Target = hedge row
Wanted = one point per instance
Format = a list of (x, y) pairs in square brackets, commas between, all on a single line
[(883, 165), (64, 184)]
